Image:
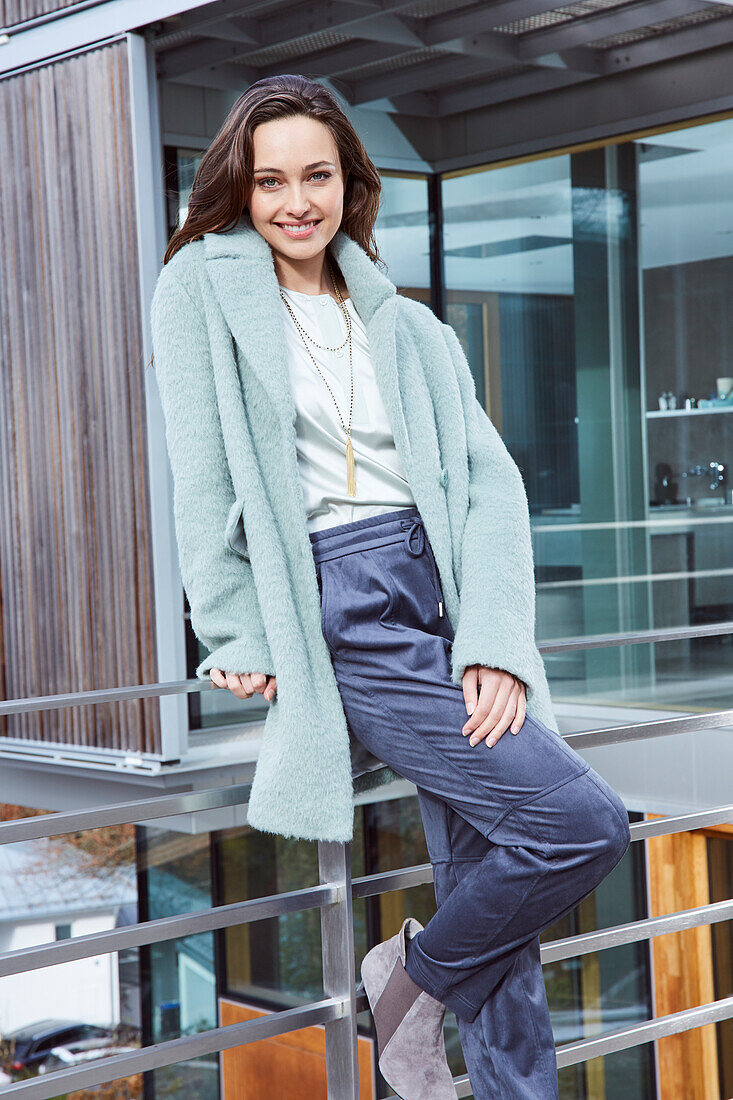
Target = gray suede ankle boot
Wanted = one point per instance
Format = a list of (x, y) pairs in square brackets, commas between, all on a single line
[(408, 1021)]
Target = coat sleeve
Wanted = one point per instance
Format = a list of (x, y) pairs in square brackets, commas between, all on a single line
[(496, 623), (225, 611)]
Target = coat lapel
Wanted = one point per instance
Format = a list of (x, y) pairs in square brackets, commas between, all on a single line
[(241, 269)]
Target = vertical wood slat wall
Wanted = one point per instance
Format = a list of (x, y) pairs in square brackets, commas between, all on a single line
[(18, 11), (76, 583), (683, 964)]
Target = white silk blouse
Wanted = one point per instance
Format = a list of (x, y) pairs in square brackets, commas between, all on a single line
[(381, 484)]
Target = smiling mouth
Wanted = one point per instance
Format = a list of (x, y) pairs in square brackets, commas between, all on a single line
[(301, 229)]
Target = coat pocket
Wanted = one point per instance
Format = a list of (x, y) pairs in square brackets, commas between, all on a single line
[(234, 535)]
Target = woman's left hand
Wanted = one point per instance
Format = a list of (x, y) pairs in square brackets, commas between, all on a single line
[(501, 703)]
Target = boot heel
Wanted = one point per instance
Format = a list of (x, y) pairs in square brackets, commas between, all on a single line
[(413, 1061)]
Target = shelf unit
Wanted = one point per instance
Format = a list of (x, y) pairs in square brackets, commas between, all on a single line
[(689, 412)]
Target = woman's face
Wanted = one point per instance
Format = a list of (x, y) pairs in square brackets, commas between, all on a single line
[(297, 178)]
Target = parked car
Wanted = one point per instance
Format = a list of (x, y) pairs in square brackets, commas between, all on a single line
[(31, 1044), (75, 1054)]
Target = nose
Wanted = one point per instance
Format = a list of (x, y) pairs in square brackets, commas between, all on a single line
[(296, 209)]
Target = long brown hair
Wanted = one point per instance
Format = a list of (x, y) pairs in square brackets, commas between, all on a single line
[(225, 178)]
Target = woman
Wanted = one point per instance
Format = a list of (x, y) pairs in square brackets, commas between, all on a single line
[(354, 543)]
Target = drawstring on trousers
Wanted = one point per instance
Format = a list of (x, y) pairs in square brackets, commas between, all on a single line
[(415, 526)]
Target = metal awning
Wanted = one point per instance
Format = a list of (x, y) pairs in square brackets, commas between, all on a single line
[(434, 58), (461, 81)]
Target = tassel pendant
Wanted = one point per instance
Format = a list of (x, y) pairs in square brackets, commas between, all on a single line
[(350, 469)]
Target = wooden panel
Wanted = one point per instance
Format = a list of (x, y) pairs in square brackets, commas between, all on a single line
[(594, 1069), (720, 865), (289, 1067), (18, 11), (683, 965), (76, 586), (726, 829)]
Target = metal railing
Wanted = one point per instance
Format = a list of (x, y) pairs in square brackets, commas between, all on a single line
[(334, 896)]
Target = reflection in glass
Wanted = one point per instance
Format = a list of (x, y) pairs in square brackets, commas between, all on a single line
[(686, 234), (402, 233), (583, 287), (180, 993), (605, 990)]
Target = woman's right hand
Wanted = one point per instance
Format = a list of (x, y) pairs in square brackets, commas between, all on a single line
[(244, 684)]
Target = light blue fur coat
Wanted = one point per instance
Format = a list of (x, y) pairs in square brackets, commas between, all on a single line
[(245, 554)]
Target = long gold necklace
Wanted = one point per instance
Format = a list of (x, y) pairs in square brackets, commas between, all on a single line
[(350, 465)]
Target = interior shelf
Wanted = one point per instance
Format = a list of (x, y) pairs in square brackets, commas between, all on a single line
[(689, 412)]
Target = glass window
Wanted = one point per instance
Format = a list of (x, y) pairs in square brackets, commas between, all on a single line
[(185, 163), (276, 963), (587, 289), (403, 234), (179, 983), (604, 990), (273, 962), (686, 250)]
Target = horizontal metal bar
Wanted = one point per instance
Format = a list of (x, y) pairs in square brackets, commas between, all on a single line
[(123, 813), (419, 873), (145, 809), (681, 823), (569, 1054), (402, 879), (633, 578), (168, 928), (177, 1050), (645, 731), (131, 761), (279, 1023), (313, 897), (31, 704), (604, 938), (636, 637), (275, 905), (84, 27), (658, 523), (463, 1086), (639, 731)]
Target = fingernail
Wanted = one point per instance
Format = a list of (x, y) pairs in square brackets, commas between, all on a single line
[(491, 744), (474, 741)]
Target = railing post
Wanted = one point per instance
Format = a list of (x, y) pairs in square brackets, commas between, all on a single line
[(339, 979)]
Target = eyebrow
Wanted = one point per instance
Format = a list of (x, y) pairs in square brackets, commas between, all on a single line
[(307, 168)]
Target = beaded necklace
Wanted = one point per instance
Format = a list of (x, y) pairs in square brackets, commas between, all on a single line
[(350, 465)]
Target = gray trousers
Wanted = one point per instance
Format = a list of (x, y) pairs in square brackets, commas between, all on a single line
[(517, 834)]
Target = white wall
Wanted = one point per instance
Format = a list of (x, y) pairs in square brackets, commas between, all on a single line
[(85, 989)]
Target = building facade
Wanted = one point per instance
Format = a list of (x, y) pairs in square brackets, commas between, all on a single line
[(557, 186)]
